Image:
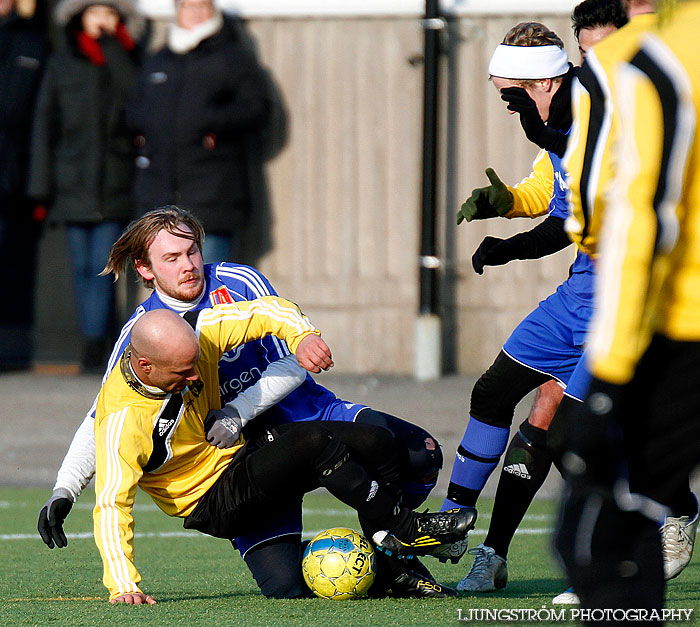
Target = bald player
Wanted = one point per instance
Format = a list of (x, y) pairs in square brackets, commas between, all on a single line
[(150, 432)]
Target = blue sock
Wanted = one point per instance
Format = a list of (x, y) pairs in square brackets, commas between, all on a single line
[(477, 456)]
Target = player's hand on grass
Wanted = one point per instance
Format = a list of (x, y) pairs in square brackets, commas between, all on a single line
[(493, 251), (51, 518), (313, 354), (222, 427), (134, 598), (487, 202)]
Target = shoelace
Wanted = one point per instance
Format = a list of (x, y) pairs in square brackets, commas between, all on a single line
[(481, 562), (679, 539)]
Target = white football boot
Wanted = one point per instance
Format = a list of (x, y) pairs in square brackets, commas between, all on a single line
[(677, 540), (568, 597), (489, 572)]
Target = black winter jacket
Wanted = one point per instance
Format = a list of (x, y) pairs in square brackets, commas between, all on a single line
[(197, 114), (82, 150), (22, 56)]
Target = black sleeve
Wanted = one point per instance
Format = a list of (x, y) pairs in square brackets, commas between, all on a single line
[(546, 238)]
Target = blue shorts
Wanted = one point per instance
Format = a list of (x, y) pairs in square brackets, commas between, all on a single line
[(283, 522), (550, 339), (342, 411), (579, 381)]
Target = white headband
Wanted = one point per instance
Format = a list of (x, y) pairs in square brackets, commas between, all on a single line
[(528, 62)]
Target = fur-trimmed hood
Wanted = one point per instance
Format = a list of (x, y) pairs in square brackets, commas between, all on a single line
[(134, 21)]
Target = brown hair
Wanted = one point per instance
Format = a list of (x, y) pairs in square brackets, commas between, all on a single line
[(133, 245), (531, 34)]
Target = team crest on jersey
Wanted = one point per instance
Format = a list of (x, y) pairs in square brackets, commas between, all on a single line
[(220, 296)]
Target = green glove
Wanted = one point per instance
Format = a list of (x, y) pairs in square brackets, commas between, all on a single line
[(487, 202)]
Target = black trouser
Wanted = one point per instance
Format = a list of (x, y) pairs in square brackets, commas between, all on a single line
[(420, 455), (498, 391), (613, 557), (296, 458), (276, 563)]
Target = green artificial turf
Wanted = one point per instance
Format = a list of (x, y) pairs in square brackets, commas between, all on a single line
[(199, 580)]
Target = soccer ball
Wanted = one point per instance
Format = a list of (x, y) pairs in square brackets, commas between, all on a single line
[(338, 564)]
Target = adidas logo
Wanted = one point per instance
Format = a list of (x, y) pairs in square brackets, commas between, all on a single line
[(519, 470), (374, 486), (164, 425)]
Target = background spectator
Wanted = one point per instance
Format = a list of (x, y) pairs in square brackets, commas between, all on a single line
[(22, 55), (82, 151), (200, 104)]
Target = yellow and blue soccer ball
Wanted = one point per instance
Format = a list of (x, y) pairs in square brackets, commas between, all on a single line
[(338, 564)]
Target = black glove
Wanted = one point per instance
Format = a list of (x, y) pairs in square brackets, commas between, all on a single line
[(594, 452), (222, 428), (51, 518), (494, 251), (487, 202), (535, 129)]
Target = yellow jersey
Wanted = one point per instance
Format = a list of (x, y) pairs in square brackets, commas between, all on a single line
[(588, 156), (154, 440), (531, 197), (649, 265)]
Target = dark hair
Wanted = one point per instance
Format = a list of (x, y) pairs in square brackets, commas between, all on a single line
[(592, 13)]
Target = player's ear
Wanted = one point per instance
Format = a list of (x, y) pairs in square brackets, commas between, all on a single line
[(144, 364), (144, 270), (547, 84)]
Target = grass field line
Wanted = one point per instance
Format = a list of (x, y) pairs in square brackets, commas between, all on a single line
[(85, 535), (311, 511)]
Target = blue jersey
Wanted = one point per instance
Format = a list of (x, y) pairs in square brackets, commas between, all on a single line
[(579, 285), (243, 366), (551, 338)]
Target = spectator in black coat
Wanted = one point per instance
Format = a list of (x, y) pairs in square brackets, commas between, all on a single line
[(82, 152), (22, 55), (199, 104)]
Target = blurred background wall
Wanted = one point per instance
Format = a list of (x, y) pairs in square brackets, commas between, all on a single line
[(346, 189)]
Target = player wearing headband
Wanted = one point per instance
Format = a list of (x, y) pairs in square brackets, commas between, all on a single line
[(531, 71)]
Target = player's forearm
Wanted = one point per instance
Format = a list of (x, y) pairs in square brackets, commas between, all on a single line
[(113, 529), (546, 238), (250, 320), (78, 465), (279, 379), (118, 474)]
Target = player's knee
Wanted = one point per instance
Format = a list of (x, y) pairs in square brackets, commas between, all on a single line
[(425, 458), (315, 437), (284, 586), (501, 388), (423, 453), (276, 567), (487, 401), (545, 405)]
